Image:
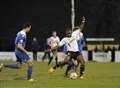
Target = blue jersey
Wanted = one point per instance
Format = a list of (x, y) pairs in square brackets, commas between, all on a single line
[(65, 48), (21, 38), (81, 42)]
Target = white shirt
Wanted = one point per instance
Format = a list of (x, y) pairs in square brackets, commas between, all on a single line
[(72, 46), (48, 41), (64, 41), (54, 41), (73, 41), (81, 35), (76, 34)]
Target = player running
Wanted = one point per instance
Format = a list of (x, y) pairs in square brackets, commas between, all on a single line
[(21, 53), (77, 36), (65, 50), (53, 41), (74, 49)]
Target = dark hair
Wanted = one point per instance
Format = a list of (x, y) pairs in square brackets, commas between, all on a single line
[(76, 28), (26, 25), (68, 31)]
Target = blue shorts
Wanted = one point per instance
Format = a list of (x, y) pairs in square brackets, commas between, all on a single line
[(22, 57)]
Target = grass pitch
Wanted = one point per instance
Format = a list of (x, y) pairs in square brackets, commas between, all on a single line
[(98, 75)]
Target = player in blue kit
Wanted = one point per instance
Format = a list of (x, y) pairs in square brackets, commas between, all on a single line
[(21, 53)]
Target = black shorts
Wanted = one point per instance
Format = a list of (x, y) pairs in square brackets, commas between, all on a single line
[(73, 55)]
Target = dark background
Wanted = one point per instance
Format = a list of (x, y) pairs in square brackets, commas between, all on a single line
[(103, 19)]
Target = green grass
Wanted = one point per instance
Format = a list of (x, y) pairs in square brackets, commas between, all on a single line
[(98, 75)]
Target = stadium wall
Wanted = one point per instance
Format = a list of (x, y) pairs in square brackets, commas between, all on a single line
[(96, 56), (11, 56)]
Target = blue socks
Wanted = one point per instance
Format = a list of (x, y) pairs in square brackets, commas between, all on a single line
[(11, 66), (29, 72), (14, 66)]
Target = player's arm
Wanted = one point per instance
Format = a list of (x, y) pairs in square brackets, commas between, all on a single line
[(73, 37), (61, 43), (58, 41), (82, 24), (22, 48)]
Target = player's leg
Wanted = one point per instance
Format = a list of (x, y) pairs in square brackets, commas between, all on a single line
[(69, 67), (82, 66), (56, 60), (59, 64), (70, 63), (16, 66), (56, 57), (45, 53), (48, 55), (25, 58), (51, 70), (77, 65), (19, 66), (29, 71), (13, 66), (51, 58), (64, 62)]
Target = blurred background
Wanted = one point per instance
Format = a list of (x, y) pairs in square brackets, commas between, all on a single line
[(102, 17)]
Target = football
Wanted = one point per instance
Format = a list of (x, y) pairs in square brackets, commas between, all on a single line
[(73, 75)]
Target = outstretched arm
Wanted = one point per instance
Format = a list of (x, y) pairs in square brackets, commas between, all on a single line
[(82, 24), (61, 43)]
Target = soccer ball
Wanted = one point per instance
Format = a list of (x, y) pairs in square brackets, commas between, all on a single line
[(73, 75)]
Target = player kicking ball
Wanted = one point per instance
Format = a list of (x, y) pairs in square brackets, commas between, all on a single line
[(21, 53), (66, 60), (73, 51), (74, 48)]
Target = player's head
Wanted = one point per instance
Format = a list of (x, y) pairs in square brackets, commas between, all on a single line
[(76, 28), (68, 33), (82, 18), (54, 33), (26, 27)]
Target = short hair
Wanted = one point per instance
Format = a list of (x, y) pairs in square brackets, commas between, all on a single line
[(26, 25), (68, 31), (76, 28)]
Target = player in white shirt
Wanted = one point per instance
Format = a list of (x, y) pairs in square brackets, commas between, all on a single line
[(74, 48), (80, 42), (53, 41), (77, 33), (80, 59), (64, 42)]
